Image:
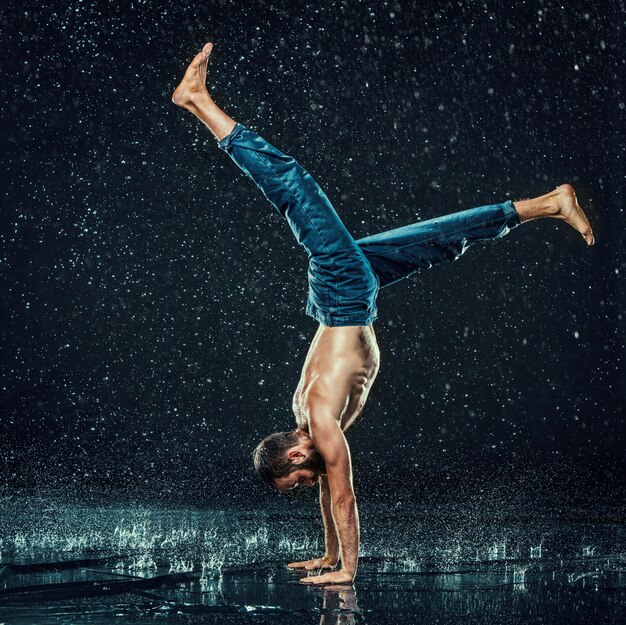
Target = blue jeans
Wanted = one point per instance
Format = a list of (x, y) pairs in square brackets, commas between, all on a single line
[(345, 275)]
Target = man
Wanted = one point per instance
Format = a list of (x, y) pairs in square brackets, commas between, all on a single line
[(344, 278)]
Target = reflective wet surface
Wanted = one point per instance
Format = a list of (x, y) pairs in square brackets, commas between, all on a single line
[(72, 562)]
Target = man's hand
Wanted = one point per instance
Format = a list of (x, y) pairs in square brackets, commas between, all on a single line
[(318, 563), (336, 577)]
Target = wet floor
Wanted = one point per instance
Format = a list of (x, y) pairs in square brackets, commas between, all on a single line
[(78, 562)]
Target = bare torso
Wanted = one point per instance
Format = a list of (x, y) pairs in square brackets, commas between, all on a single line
[(349, 351)]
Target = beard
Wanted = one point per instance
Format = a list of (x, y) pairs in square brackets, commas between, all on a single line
[(315, 462)]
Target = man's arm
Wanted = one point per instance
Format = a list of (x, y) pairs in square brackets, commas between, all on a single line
[(330, 532), (331, 557), (326, 400)]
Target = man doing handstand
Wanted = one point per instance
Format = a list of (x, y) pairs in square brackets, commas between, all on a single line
[(344, 279)]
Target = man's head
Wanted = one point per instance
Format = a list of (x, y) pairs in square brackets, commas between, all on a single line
[(285, 460)]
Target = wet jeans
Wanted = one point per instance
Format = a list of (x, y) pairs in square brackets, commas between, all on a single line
[(345, 275)]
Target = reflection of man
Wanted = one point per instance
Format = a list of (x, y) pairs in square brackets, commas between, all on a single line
[(340, 606), (344, 278)]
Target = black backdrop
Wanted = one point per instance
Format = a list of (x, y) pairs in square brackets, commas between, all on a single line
[(153, 322)]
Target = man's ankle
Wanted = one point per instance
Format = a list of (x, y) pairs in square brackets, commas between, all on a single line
[(545, 206)]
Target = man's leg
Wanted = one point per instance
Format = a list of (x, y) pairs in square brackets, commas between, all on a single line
[(397, 254), (285, 183), (339, 274)]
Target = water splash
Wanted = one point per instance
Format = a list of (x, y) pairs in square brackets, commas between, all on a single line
[(497, 551), (535, 552)]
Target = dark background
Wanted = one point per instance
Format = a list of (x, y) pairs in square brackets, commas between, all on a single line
[(153, 323)]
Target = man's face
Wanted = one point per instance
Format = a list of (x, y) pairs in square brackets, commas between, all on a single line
[(299, 477)]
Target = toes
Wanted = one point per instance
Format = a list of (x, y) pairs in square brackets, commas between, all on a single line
[(587, 234), (206, 51), (203, 55), (199, 58)]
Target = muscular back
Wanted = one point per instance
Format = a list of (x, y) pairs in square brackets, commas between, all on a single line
[(344, 360)]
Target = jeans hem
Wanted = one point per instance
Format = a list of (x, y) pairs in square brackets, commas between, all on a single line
[(226, 141), (510, 214)]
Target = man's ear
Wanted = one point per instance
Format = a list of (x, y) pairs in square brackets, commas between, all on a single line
[(295, 455)]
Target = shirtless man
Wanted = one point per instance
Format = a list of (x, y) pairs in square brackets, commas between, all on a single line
[(344, 278)]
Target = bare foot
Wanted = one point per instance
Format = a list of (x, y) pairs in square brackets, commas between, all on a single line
[(570, 211), (192, 88)]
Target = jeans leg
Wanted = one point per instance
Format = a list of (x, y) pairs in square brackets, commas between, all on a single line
[(397, 254), (292, 191), (341, 279)]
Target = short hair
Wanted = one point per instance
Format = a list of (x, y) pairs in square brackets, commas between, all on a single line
[(270, 456)]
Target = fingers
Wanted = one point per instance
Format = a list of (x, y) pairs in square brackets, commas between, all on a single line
[(297, 565), (321, 564), (309, 565), (337, 577), (318, 580), (313, 581)]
